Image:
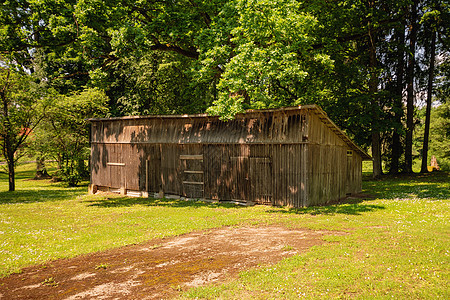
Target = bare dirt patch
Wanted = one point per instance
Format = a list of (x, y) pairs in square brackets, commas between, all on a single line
[(159, 269)]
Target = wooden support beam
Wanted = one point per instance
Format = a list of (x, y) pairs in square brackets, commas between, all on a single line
[(115, 164), (192, 182), (147, 168), (196, 156)]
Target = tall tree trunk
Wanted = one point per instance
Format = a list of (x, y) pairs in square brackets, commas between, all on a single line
[(410, 88), (8, 145), (426, 134), (398, 104), (59, 162), (8, 152), (41, 170), (11, 169), (373, 88)]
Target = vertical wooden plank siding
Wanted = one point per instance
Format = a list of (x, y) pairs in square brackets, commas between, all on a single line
[(191, 173), (332, 173), (288, 157)]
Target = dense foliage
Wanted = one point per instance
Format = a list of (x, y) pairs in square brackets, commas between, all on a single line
[(22, 107), (439, 135), (368, 64), (63, 135)]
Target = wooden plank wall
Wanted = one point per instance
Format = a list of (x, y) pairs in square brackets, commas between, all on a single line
[(290, 158), (118, 168), (261, 128), (226, 172), (355, 184), (327, 174), (332, 173), (290, 175), (170, 169), (150, 179), (191, 172), (265, 174)]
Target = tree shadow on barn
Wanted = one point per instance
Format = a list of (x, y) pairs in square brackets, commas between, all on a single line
[(351, 206), (164, 202)]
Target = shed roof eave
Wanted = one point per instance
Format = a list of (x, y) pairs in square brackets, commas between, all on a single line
[(339, 132), (247, 113)]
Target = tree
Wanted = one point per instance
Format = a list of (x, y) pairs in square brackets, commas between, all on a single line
[(64, 133), (436, 22), (264, 57), (47, 30), (353, 58), (22, 108), (361, 34), (428, 104), (373, 93), (156, 83), (413, 23), (439, 137), (397, 104)]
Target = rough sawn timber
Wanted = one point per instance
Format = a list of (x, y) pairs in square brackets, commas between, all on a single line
[(294, 156)]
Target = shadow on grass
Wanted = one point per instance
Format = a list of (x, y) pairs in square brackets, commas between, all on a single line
[(435, 185), (128, 201), (30, 191), (21, 173), (348, 207), (41, 195)]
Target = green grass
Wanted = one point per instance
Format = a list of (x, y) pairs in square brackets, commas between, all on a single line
[(43, 221), (397, 247), (397, 243), (367, 167)]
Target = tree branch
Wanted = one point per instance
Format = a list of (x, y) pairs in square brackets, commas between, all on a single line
[(143, 13), (6, 85), (167, 47), (358, 36), (27, 45), (205, 16)]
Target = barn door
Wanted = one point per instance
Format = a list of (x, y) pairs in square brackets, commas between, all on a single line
[(153, 176), (238, 181), (260, 176), (192, 176), (116, 168)]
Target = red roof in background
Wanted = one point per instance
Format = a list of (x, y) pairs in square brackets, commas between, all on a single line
[(25, 131)]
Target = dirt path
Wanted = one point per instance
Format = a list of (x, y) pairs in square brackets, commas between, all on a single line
[(161, 268)]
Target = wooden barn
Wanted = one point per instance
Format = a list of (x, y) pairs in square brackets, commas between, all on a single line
[(294, 156)]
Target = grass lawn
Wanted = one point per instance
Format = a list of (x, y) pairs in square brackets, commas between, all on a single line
[(397, 244)]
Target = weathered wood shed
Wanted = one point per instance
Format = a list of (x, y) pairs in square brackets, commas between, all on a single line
[(294, 156)]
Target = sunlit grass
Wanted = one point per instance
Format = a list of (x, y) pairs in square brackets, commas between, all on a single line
[(367, 167), (397, 247), (43, 220), (396, 244)]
